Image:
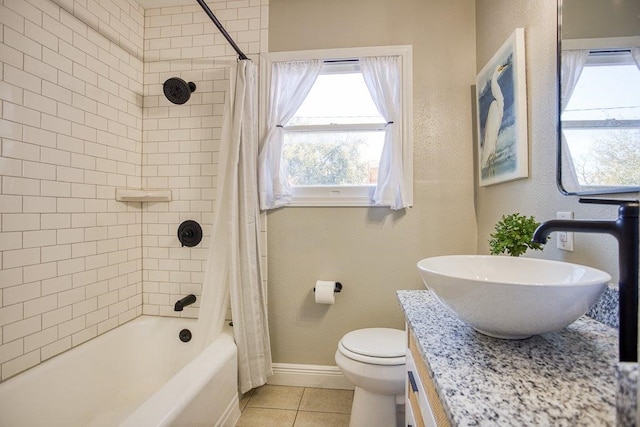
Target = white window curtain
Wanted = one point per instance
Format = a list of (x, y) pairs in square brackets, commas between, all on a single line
[(573, 62), (382, 74), (635, 53), (290, 85), (572, 65)]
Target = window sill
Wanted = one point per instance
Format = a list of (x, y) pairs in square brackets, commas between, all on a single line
[(333, 196)]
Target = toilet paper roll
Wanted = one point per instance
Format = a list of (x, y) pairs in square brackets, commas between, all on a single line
[(324, 292)]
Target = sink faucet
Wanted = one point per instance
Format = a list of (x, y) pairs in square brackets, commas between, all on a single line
[(625, 229), (183, 302)]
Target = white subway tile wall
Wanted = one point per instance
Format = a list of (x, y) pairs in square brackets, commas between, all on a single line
[(74, 263), (70, 132), (181, 142)]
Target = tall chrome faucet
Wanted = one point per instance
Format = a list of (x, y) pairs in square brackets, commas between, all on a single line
[(625, 229)]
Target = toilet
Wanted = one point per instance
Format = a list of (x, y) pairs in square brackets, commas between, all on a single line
[(373, 359)]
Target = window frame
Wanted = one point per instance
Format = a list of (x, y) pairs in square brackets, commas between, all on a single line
[(345, 195)]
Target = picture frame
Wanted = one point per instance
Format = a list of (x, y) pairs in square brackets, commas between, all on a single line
[(501, 108)]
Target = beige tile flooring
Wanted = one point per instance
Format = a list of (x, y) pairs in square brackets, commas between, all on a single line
[(280, 406)]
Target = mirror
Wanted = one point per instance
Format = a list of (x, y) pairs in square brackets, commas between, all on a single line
[(599, 96)]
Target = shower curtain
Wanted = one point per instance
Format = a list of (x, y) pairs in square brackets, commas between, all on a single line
[(233, 268)]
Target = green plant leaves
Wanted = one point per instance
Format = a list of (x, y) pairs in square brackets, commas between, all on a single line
[(513, 235)]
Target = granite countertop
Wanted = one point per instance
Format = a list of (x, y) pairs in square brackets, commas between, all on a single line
[(565, 378)]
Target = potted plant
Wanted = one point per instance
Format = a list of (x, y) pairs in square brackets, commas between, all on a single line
[(513, 235)]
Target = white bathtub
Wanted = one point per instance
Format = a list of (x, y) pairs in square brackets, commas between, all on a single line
[(137, 375)]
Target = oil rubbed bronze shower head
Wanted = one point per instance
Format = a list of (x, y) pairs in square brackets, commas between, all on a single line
[(177, 90)]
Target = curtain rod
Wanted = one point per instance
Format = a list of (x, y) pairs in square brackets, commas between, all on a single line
[(338, 61), (221, 28)]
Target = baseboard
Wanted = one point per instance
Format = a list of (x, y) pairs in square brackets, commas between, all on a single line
[(318, 376), (231, 415)]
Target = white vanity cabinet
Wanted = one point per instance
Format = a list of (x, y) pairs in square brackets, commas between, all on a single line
[(423, 407)]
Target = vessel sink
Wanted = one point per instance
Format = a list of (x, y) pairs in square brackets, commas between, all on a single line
[(510, 297)]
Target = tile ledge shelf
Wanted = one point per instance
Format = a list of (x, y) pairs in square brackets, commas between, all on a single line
[(143, 195)]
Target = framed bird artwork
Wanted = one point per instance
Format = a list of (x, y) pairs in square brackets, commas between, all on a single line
[(501, 105)]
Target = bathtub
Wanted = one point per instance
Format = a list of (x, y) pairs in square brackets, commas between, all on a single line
[(137, 375)]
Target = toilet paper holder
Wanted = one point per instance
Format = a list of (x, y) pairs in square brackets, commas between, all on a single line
[(337, 288)]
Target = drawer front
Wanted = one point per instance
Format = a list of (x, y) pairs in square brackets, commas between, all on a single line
[(431, 409), (417, 397), (409, 417)]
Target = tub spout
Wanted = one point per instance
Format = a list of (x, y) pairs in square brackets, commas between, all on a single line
[(625, 230), (183, 302)]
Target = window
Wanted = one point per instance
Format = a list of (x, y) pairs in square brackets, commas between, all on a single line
[(336, 136), (601, 121), (333, 143)]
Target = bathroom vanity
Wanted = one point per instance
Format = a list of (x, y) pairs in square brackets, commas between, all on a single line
[(466, 378)]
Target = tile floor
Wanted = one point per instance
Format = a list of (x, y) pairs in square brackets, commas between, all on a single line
[(280, 406)]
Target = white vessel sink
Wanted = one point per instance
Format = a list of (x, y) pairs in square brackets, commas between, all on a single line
[(510, 297)]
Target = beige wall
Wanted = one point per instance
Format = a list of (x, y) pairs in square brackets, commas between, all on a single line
[(537, 195), (373, 252), (599, 18)]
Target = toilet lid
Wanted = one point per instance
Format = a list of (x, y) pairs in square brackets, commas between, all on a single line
[(376, 342)]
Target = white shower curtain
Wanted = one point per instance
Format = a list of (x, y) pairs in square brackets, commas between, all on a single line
[(234, 263)]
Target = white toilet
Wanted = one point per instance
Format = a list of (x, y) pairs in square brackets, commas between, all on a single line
[(373, 360)]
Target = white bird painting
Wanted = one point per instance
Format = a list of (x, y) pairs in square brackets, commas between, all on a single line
[(493, 122), (501, 102)]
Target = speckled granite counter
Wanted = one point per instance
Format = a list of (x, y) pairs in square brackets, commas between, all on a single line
[(565, 378)]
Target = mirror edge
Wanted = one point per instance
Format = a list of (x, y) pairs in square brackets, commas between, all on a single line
[(558, 103)]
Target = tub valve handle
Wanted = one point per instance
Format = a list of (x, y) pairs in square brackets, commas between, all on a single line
[(189, 233)]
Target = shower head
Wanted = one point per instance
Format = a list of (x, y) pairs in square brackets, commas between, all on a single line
[(177, 90)]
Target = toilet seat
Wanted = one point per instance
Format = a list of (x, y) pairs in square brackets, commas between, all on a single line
[(376, 346)]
